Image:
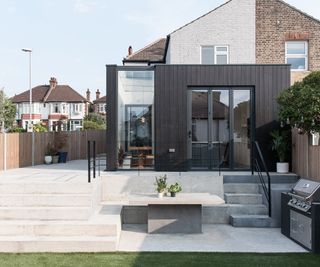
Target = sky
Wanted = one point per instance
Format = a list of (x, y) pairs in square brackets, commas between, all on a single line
[(73, 40)]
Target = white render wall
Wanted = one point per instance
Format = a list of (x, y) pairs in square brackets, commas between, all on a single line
[(232, 24)]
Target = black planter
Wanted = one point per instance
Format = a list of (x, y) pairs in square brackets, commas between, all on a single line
[(63, 157), (173, 194)]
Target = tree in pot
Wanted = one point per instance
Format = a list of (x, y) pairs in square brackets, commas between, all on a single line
[(161, 184), (281, 145), (299, 105), (174, 189), (60, 140)]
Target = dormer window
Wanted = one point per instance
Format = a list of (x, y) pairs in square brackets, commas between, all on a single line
[(297, 55)]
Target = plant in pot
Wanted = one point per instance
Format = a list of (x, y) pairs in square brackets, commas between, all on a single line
[(281, 145), (121, 156), (174, 189), (60, 140), (161, 184), (48, 154)]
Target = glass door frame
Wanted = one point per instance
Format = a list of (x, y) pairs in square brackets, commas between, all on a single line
[(252, 125)]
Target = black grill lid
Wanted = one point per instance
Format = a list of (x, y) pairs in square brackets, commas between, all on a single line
[(307, 188)]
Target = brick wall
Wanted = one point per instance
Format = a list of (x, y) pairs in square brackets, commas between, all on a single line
[(232, 24), (277, 22)]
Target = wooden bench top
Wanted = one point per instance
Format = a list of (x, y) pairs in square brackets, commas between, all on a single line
[(180, 199)]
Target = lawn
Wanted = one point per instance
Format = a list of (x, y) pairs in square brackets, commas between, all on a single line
[(159, 259)]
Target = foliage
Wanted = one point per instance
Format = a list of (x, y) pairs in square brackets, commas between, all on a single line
[(60, 140), (175, 188), (16, 129), (280, 143), (121, 156), (51, 150), (161, 183), (39, 128), (7, 111), (94, 121), (300, 104), (91, 125)]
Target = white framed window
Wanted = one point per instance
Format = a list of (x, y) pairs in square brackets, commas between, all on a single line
[(63, 108), (215, 54), (77, 108), (55, 108), (101, 108), (297, 55)]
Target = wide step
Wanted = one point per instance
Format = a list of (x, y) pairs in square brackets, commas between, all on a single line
[(44, 213), (49, 200), (241, 188), (20, 244), (257, 221), (243, 198)]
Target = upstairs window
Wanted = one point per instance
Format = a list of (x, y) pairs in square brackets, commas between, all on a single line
[(297, 55), (215, 55)]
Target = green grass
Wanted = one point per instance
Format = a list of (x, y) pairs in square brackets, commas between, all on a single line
[(159, 259)]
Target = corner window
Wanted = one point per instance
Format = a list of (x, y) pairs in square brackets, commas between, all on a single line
[(214, 55), (297, 55)]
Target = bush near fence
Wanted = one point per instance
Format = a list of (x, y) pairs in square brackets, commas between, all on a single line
[(16, 148)]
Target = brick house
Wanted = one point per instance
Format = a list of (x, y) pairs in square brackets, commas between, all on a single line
[(241, 32), (52, 104)]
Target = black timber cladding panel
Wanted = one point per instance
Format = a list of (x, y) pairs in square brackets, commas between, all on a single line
[(112, 117), (171, 84)]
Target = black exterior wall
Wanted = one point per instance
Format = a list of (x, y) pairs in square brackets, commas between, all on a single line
[(171, 105)]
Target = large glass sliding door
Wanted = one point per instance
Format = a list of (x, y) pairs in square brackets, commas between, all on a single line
[(220, 128)]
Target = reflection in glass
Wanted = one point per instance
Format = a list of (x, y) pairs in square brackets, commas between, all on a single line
[(135, 119), (241, 134)]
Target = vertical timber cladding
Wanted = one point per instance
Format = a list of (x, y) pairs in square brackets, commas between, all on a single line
[(112, 118), (171, 85)]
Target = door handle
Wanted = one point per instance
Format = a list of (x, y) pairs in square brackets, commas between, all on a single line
[(189, 134)]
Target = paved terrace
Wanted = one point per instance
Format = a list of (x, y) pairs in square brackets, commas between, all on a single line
[(215, 238)]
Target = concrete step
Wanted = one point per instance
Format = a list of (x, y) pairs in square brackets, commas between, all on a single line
[(45, 188), (257, 221), (20, 244), (243, 198), (275, 178), (44, 213), (57, 228), (221, 214), (241, 188), (48, 200)]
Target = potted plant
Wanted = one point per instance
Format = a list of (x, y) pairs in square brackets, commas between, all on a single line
[(121, 156), (48, 154), (174, 189), (161, 184), (280, 144), (60, 141)]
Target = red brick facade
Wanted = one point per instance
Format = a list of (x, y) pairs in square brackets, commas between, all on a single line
[(276, 23)]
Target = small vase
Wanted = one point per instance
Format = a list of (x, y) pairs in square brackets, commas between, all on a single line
[(160, 194), (173, 194)]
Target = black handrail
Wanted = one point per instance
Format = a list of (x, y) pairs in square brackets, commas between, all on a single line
[(267, 190), (91, 161)]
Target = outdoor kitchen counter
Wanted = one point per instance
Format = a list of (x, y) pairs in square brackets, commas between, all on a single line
[(175, 215)]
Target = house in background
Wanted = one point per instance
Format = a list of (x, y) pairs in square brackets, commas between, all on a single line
[(241, 32), (51, 105), (100, 104)]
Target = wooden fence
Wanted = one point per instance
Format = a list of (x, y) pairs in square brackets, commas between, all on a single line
[(16, 148), (305, 158)]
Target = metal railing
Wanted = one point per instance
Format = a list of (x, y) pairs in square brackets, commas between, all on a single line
[(94, 161), (259, 170)]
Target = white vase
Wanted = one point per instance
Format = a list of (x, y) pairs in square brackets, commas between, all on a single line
[(282, 167), (48, 159), (160, 194)]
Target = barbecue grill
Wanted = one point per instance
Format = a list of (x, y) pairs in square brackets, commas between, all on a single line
[(300, 214)]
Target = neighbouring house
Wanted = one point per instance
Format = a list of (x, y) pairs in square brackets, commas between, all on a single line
[(241, 32), (52, 105), (200, 98), (100, 104)]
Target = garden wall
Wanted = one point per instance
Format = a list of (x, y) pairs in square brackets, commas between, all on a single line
[(305, 158), (16, 148)]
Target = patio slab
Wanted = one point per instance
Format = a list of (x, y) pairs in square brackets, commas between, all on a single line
[(215, 238)]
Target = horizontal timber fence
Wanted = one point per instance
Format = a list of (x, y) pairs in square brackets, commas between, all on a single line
[(305, 158), (17, 151)]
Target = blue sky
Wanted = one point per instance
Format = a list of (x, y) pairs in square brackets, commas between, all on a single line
[(73, 40)]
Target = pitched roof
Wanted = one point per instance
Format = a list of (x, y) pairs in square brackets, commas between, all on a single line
[(100, 100), (154, 52), (61, 93)]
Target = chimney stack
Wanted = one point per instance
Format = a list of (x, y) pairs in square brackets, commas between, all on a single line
[(53, 83), (88, 95), (130, 50), (97, 94)]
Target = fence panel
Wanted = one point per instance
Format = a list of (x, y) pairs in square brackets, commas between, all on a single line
[(1, 151)]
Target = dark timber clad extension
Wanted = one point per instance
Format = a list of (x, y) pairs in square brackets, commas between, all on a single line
[(171, 105)]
